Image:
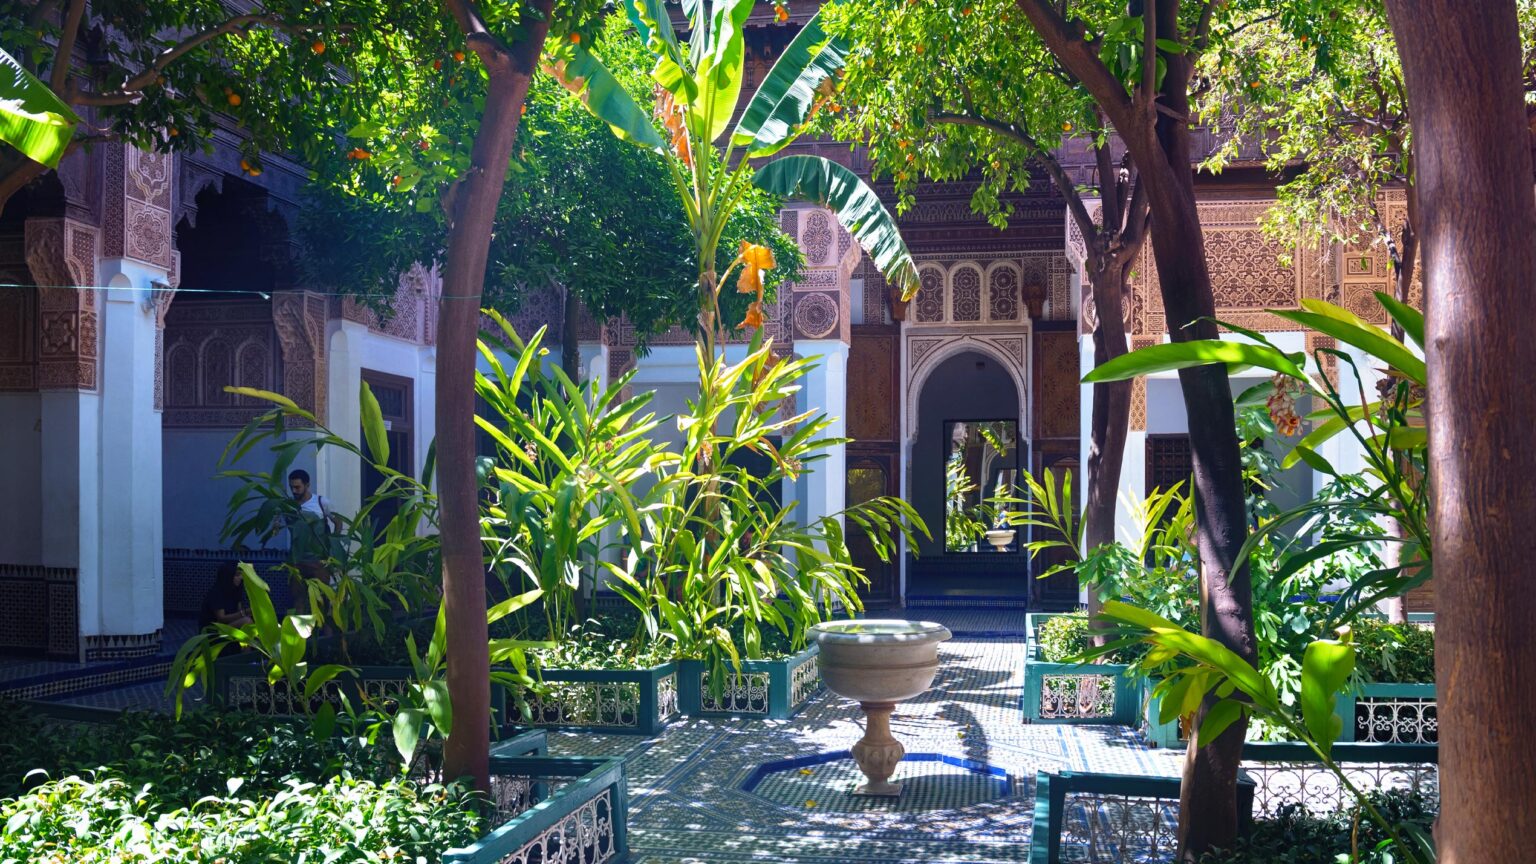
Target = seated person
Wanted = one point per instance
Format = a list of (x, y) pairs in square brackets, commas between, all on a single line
[(225, 601)]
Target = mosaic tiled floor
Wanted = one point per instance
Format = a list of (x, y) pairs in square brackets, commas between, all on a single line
[(687, 804)]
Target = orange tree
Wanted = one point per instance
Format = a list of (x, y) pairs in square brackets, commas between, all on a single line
[(451, 79)]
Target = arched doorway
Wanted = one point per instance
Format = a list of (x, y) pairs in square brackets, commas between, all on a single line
[(968, 441)]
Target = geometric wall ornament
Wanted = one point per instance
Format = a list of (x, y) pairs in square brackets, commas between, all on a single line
[(299, 318)]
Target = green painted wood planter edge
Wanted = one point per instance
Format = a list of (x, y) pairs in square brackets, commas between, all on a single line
[(574, 811), (656, 698), (792, 681), (1127, 690), (1051, 792)]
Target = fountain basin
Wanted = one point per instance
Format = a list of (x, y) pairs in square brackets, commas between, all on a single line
[(879, 660), (879, 663), (1001, 539)]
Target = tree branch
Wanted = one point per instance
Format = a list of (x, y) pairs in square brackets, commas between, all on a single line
[(66, 50), (1200, 39), (469, 19), (1149, 46), (130, 89), (1081, 59)]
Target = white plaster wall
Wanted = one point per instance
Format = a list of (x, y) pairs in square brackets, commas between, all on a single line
[(354, 348), (196, 499), (21, 478)]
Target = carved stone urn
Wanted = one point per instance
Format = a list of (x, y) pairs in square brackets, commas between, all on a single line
[(878, 664)]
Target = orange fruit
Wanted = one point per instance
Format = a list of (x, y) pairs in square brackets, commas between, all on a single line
[(1066, 127), (318, 47), (395, 181), (918, 48), (423, 144), (437, 65), (234, 98), (458, 56), (174, 131), (575, 38)]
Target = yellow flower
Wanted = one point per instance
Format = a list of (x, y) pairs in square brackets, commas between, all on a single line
[(754, 316), (751, 281), (757, 256)]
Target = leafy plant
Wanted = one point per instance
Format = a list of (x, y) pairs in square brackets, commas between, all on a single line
[(375, 566), (1065, 638), (560, 489), (1295, 836), (1196, 670), (1390, 431), (1394, 653), (718, 557)]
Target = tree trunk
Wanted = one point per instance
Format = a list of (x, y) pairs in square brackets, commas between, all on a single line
[(1462, 67), (472, 214), (1208, 817), (1110, 418), (22, 173)]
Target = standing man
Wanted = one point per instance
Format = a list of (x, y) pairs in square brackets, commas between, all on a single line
[(309, 532)]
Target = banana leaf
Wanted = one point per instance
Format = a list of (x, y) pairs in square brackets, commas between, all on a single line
[(783, 101), (1199, 352), (33, 119), (606, 98), (856, 206)]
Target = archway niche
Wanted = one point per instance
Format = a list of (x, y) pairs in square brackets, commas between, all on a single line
[(972, 385)]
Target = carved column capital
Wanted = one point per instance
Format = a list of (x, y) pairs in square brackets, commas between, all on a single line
[(299, 318), (61, 253)]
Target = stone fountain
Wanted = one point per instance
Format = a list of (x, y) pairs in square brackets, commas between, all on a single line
[(877, 664)]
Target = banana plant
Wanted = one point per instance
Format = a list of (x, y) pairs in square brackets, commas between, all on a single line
[(1389, 430), (712, 160)]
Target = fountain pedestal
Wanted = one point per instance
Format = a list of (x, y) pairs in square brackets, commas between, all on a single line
[(878, 752), (877, 664)]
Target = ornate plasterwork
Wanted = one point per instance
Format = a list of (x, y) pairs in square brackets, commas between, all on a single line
[(1139, 389), (409, 316), (1249, 272), (138, 189), (160, 305), (299, 319), (926, 349), (61, 253), (1002, 291), (1057, 392), (816, 315), (210, 345)]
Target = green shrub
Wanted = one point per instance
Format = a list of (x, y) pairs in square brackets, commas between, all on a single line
[(1296, 837), (1394, 653), (214, 786), (1062, 638), (105, 819)]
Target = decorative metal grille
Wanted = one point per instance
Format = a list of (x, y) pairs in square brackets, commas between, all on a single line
[(804, 681), (588, 703), (1396, 720), (585, 836), (666, 697), (1315, 788), (1075, 697), (742, 694), (1118, 829), (275, 700)]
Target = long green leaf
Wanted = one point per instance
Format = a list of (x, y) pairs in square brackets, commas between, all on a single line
[(1349, 328), (856, 206), (1407, 317), (33, 119), (783, 101), (654, 25), (606, 98), (373, 424), (1325, 668), (1171, 356), (723, 67)]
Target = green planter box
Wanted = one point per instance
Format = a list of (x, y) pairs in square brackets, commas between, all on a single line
[(553, 809), (1099, 693), (1390, 714), (240, 682), (772, 689), (639, 701), (1157, 734), (1378, 714)]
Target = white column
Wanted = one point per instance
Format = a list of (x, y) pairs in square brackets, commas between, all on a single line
[(339, 474), (121, 515), (825, 391)]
